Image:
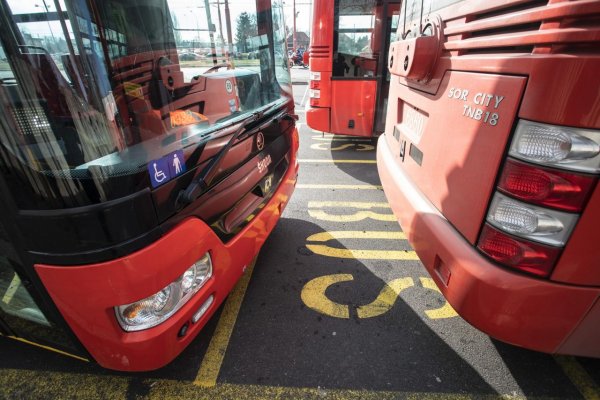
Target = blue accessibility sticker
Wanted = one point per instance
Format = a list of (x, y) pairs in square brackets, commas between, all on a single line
[(159, 172), (166, 168), (176, 163)]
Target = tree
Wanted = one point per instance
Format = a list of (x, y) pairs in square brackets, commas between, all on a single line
[(245, 28)]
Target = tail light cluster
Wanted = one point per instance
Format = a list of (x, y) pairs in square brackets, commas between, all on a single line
[(315, 88), (547, 179)]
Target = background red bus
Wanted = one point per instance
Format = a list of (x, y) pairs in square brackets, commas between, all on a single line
[(349, 79)]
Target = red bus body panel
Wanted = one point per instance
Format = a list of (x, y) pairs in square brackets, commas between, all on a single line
[(520, 310), (86, 294), (546, 72), (353, 101)]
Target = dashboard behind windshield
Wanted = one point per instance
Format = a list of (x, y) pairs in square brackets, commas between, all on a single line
[(100, 97)]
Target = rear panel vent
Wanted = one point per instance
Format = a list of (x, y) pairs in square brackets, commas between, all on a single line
[(560, 27)]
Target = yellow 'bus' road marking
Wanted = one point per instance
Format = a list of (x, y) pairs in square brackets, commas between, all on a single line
[(357, 147), (327, 251), (312, 161), (357, 216), (339, 139), (579, 376), (445, 311), (313, 295), (213, 359), (347, 204), (326, 236), (338, 187), (386, 299)]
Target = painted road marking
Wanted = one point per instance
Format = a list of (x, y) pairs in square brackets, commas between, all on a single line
[(52, 349), (94, 386), (330, 161), (213, 359), (357, 147), (579, 376), (327, 138), (445, 311), (357, 216), (338, 187), (313, 295), (359, 254), (386, 299)]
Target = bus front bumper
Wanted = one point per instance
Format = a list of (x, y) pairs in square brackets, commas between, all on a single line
[(86, 295), (514, 308)]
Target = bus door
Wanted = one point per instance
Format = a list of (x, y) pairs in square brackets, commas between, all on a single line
[(351, 80), (389, 25), (358, 64)]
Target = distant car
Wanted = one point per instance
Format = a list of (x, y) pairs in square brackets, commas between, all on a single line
[(188, 57)]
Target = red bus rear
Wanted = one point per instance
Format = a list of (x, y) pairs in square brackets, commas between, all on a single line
[(490, 160), (349, 79)]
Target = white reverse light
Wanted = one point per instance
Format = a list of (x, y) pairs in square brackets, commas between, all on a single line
[(157, 308), (559, 146), (531, 222)]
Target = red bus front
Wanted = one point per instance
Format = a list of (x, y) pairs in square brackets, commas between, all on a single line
[(349, 79), (490, 161), (142, 167)]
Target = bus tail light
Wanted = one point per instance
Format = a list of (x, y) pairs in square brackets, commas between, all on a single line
[(314, 94), (548, 177), (543, 186), (517, 253), (564, 147), (315, 80), (531, 222), (153, 310)]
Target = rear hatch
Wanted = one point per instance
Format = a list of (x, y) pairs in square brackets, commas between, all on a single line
[(494, 115)]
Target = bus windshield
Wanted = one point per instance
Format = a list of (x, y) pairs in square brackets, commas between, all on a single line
[(95, 92)]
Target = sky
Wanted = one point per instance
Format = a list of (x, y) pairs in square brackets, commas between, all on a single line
[(303, 9)]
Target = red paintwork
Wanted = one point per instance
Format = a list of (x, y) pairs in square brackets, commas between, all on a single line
[(342, 100), (441, 204), (353, 100), (524, 311), (86, 295)]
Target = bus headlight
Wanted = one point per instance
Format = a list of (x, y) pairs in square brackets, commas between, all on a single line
[(153, 310)]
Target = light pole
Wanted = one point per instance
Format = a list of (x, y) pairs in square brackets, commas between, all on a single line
[(294, 44)]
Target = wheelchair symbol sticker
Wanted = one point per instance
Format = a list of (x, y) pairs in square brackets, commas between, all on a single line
[(159, 172)]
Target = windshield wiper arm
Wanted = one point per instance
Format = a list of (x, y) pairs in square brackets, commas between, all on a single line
[(203, 181)]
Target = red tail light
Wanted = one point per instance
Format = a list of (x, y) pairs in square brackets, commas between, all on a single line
[(547, 187), (315, 84), (516, 253)]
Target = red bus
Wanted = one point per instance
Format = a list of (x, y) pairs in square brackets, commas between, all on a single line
[(490, 161), (142, 167), (349, 80)]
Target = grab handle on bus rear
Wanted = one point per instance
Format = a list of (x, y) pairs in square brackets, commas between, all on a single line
[(415, 58)]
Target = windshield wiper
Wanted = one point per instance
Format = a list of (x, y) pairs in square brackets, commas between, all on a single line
[(203, 181)]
